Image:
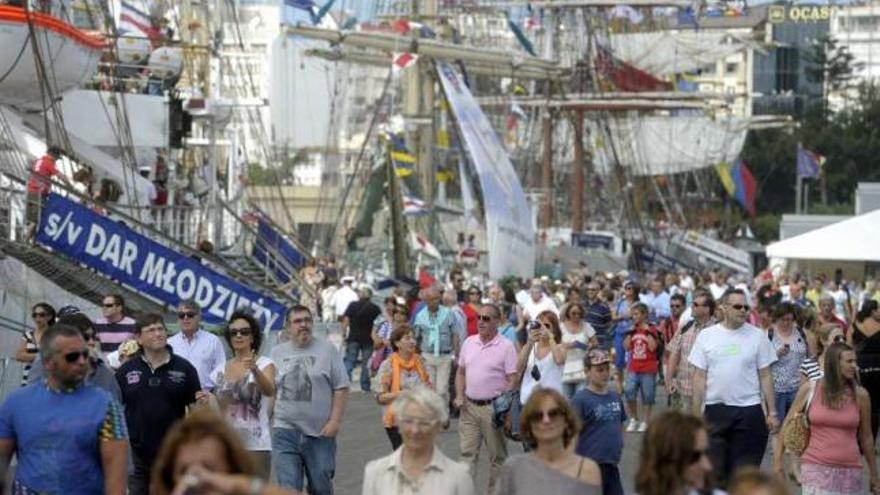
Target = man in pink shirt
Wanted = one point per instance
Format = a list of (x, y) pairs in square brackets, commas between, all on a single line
[(486, 369)]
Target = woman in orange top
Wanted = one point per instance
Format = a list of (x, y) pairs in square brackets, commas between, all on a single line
[(403, 370)]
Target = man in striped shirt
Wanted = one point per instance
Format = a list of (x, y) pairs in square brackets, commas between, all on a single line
[(113, 327)]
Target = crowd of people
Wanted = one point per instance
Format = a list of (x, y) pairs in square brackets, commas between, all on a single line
[(570, 370)]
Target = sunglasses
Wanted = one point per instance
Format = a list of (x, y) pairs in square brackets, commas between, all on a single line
[(677, 306), (741, 307), (72, 357), (89, 337), (240, 332), (552, 414), (486, 318), (109, 305), (183, 315), (698, 305), (696, 455), (39, 314)]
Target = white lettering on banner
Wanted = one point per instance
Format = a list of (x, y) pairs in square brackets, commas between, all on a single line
[(96, 241), (189, 278), (153, 267), (121, 254)]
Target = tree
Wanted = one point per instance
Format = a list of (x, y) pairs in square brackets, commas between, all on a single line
[(830, 65)]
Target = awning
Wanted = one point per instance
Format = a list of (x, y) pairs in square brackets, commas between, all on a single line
[(854, 239)]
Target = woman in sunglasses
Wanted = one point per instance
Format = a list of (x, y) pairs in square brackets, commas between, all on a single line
[(403, 370), (542, 359), (549, 424), (675, 457), (43, 315), (245, 386), (578, 336)]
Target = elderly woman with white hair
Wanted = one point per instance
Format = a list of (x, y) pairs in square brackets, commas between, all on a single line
[(418, 466)]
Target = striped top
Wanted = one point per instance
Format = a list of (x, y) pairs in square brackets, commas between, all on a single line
[(112, 334), (810, 369), (30, 345)]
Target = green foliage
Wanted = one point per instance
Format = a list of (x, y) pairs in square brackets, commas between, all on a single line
[(270, 175), (850, 140), (829, 64), (766, 227)]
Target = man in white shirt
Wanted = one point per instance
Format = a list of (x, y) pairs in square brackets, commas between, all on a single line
[(202, 349), (537, 303), (731, 363), (344, 296)]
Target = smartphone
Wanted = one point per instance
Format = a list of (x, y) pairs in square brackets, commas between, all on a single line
[(580, 345)]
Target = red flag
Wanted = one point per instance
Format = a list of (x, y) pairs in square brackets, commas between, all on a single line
[(425, 279)]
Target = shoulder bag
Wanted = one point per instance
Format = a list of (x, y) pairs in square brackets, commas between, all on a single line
[(796, 428)]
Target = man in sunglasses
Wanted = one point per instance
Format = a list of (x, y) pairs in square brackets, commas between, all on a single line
[(113, 327), (69, 437), (486, 369), (732, 377), (202, 349), (157, 387)]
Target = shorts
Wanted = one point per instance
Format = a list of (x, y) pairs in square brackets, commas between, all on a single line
[(619, 351), (640, 382), (35, 203), (784, 400)]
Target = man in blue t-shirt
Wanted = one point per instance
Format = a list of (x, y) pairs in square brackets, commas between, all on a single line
[(69, 437), (603, 415)]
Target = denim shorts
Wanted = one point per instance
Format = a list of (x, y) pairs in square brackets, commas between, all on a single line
[(640, 382), (784, 400)]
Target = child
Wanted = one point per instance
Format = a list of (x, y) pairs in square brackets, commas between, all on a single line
[(641, 342), (602, 414)]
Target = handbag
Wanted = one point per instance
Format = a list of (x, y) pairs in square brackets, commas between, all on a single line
[(796, 428)]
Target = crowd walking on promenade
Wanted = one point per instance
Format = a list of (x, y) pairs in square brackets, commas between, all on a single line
[(726, 383)]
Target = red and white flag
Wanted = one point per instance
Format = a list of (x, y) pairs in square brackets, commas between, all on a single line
[(400, 61)]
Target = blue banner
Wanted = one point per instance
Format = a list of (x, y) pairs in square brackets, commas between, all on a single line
[(269, 237), (146, 266)]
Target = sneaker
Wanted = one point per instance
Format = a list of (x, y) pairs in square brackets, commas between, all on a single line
[(631, 425), (642, 427)]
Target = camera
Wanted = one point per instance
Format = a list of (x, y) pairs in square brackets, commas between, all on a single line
[(534, 325)]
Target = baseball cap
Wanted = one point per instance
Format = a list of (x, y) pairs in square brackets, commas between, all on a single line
[(597, 356)]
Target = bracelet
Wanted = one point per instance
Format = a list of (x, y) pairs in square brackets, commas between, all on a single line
[(257, 486)]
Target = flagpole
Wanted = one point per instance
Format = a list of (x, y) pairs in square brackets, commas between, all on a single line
[(797, 194)]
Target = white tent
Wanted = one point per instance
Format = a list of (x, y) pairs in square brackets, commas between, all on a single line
[(854, 239)]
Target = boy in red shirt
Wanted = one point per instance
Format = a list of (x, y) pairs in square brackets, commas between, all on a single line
[(641, 342)]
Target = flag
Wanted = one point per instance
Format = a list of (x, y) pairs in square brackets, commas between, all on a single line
[(135, 22), (521, 37), (404, 162), (317, 16), (413, 206), (739, 183), (809, 164), (400, 61), (419, 243), (426, 279)]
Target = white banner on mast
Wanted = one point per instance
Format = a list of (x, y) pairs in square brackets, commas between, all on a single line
[(510, 234)]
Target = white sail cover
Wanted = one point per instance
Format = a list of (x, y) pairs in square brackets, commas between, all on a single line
[(661, 145), (665, 53), (511, 237)]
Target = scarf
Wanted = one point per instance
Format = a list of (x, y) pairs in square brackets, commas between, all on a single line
[(399, 365)]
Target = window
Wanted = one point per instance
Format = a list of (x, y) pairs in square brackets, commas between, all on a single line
[(731, 68), (787, 64)]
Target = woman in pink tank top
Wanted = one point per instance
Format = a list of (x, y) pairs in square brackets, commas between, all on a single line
[(840, 423)]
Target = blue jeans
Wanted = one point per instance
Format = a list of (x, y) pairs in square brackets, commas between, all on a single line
[(352, 348), (784, 400), (297, 456)]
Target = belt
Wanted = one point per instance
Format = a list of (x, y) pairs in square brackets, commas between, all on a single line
[(481, 402)]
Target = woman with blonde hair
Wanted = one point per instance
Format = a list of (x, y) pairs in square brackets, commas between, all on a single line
[(675, 456), (202, 454), (549, 424)]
